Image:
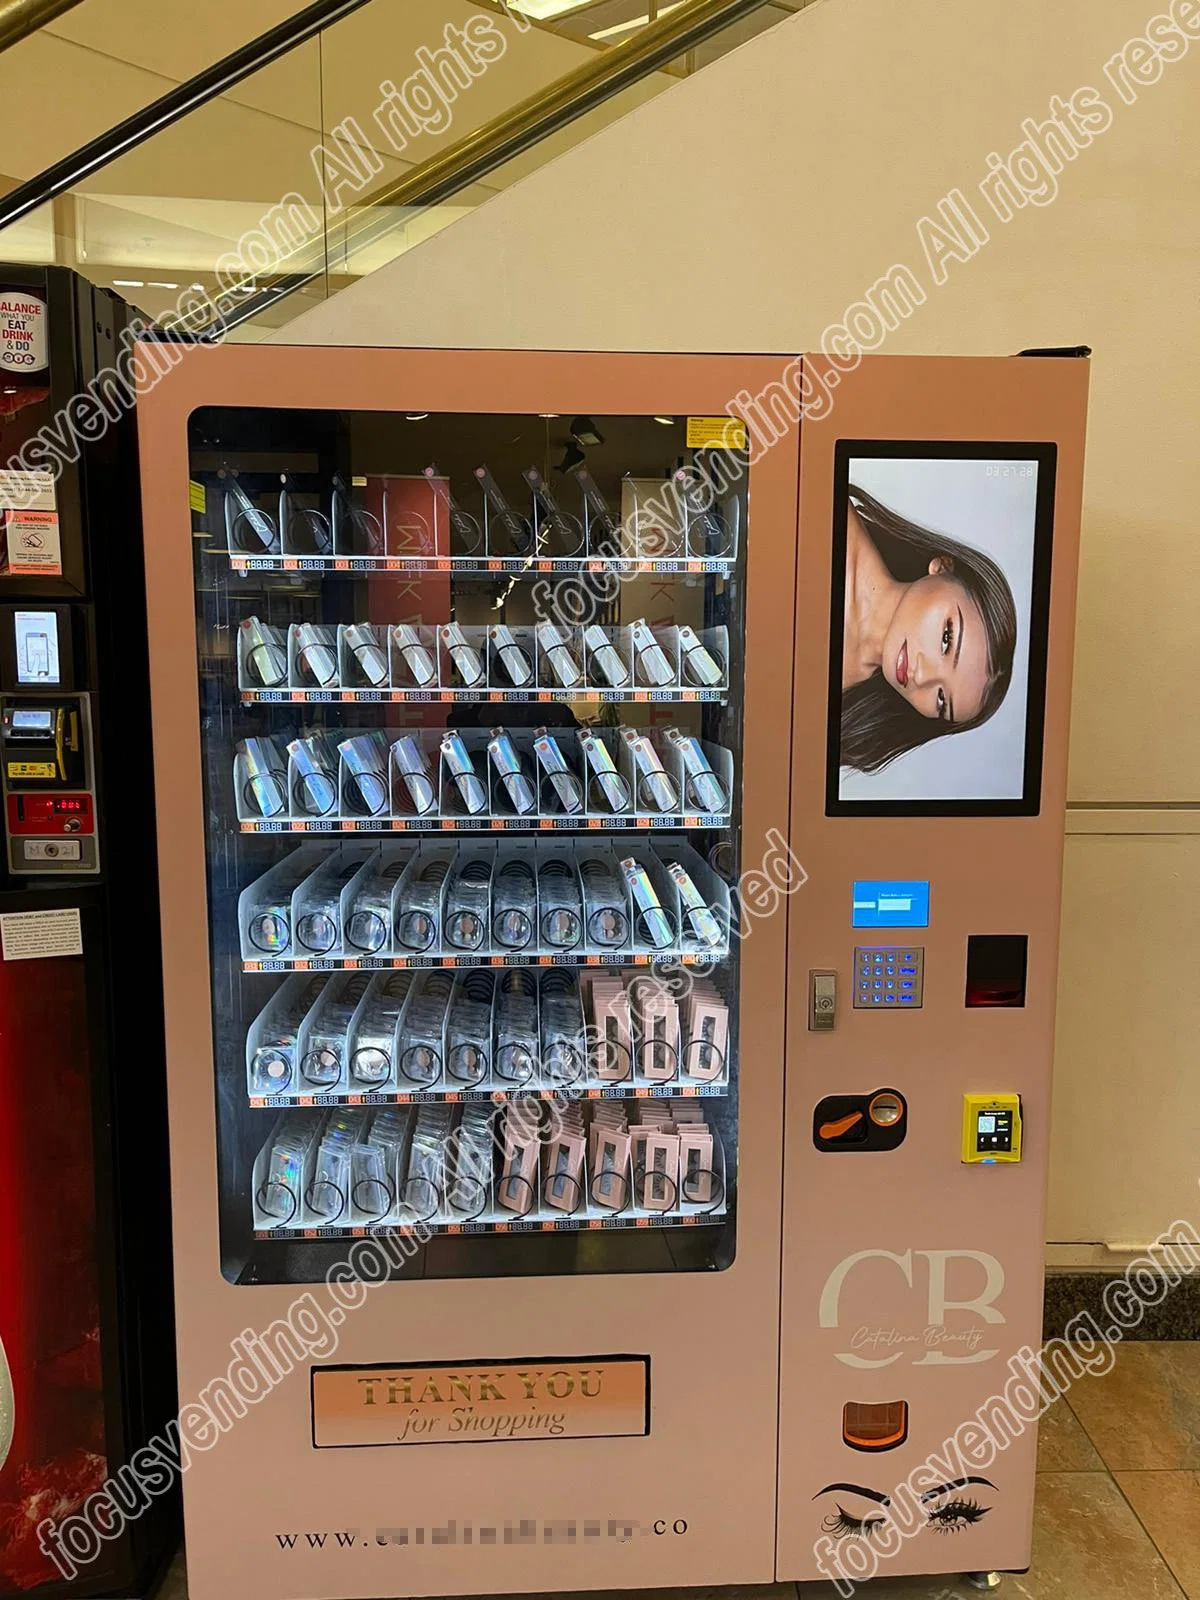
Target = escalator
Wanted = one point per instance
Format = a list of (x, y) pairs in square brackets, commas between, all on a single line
[(340, 138)]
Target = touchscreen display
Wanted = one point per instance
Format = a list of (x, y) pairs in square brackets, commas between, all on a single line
[(940, 603)]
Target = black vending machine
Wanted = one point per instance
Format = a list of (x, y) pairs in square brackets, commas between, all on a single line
[(86, 1336)]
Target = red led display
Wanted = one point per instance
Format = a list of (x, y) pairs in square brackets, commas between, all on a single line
[(50, 814)]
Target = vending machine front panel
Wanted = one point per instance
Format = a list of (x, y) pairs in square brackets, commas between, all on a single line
[(474, 806)]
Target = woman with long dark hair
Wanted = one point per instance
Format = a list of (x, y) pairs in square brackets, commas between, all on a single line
[(928, 640)]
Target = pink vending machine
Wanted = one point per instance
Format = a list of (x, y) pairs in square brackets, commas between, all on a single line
[(550, 750)]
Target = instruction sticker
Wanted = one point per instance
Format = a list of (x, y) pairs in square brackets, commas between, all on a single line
[(716, 433), (31, 935), (27, 491), (34, 542)]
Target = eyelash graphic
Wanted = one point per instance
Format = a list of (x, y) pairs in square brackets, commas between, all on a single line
[(947, 636), (956, 1515), (844, 1526)]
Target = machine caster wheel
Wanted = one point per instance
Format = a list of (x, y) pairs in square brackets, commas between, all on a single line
[(983, 1580)]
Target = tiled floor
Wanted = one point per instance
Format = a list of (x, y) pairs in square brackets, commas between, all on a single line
[(1118, 1505)]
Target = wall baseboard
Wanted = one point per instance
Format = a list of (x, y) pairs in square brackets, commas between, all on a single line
[(1067, 1294)]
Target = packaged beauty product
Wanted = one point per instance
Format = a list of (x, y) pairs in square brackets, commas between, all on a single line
[(467, 913), (560, 904), (609, 1182), (416, 779), (609, 791), (702, 790), (557, 650), (514, 905), (564, 1049), (280, 1197), (470, 789), (466, 660), (699, 664), (418, 915), (467, 530), (517, 1185), (552, 522), (314, 787), (556, 775), (655, 1028), (263, 652), (605, 662), (653, 665), (653, 924), (265, 906), (366, 649), (562, 1172), (316, 904), (611, 1030), (654, 790), (605, 902), (416, 663), (508, 768), (421, 1033), (706, 1028), (271, 1041), (370, 1046), (696, 1175), (262, 772), (656, 1174), (315, 649), (517, 530), (322, 1043), (469, 1029), (356, 530), (365, 789), (513, 658), (698, 919), (251, 531), (516, 1029)]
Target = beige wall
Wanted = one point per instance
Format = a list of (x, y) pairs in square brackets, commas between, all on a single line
[(743, 211)]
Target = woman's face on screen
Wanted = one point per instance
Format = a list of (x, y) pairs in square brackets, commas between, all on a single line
[(935, 651)]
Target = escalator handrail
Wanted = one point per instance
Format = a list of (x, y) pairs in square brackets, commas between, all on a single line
[(215, 80), (20, 18)]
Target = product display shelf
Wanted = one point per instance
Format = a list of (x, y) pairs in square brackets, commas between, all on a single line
[(671, 1090), (483, 566), (573, 825), (672, 696)]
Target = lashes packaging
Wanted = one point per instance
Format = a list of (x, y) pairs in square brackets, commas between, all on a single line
[(612, 1028), (608, 1156), (563, 1178), (517, 1188), (655, 1158), (695, 1161), (655, 1030), (706, 1028)]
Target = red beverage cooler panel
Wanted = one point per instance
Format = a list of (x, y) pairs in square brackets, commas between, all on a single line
[(52, 1438)]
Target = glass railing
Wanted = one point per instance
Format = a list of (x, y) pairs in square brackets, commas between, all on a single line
[(355, 145)]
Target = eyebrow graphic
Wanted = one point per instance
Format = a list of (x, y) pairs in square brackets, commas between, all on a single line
[(955, 1483), (958, 652), (857, 1488)]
